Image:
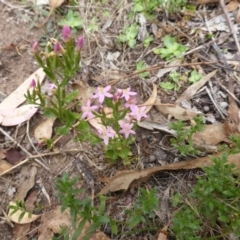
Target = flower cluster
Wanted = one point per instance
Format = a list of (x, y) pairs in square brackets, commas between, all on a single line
[(124, 126)]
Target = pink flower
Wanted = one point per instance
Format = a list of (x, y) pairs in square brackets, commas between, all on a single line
[(130, 102), (87, 110), (66, 33), (102, 93), (137, 112), (35, 47), (80, 43), (126, 93), (52, 88), (57, 48), (106, 134), (33, 83), (127, 129)]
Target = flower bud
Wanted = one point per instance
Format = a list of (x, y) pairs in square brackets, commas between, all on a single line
[(80, 43), (33, 84), (66, 33), (35, 46), (57, 48)]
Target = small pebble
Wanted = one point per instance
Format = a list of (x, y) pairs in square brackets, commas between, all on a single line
[(206, 108), (132, 190), (152, 158)]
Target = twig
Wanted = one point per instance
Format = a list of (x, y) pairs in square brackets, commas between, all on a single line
[(230, 24), (209, 94), (23, 149)]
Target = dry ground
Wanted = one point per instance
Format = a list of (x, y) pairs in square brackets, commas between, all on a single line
[(102, 62)]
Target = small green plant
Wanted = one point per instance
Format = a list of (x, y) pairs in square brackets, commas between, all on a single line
[(129, 35), (195, 77), (72, 19), (174, 83), (183, 142), (171, 48), (213, 201), (143, 210), (93, 25), (147, 40), (142, 66), (173, 5), (82, 211), (148, 7)]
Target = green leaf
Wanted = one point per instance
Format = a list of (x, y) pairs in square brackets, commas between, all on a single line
[(132, 43), (50, 113), (64, 130), (167, 85)]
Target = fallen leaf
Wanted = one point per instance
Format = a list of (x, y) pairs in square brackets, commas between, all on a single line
[(163, 233), (2, 154), (53, 5), (150, 102), (85, 92), (44, 130), (26, 182), (20, 231), (131, 178), (17, 97), (12, 117), (26, 218), (13, 156), (232, 6), (192, 89), (176, 111), (52, 221), (4, 166), (208, 138)]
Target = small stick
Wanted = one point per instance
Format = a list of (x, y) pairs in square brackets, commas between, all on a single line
[(23, 149), (230, 24)]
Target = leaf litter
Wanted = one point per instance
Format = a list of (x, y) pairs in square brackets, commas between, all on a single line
[(170, 108)]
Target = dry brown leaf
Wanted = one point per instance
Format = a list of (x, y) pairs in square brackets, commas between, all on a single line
[(3, 154), (174, 110), (232, 6), (13, 156), (150, 102), (20, 231), (4, 166), (17, 97), (53, 5), (85, 92), (44, 130), (26, 218), (52, 221), (130, 178), (163, 233), (26, 182), (192, 89), (209, 137)]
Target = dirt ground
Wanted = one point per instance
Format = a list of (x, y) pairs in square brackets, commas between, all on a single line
[(99, 66)]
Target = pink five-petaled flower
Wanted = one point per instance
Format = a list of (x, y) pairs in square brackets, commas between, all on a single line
[(66, 33), (126, 93), (127, 129), (102, 93), (79, 44), (132, 101), (106, 134), (138, 112), (87, 110), (52, 87), (57, 48)]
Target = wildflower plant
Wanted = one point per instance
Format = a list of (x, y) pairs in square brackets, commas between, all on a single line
[(60, 63), (116, 129), (117, 125)]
